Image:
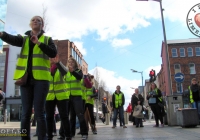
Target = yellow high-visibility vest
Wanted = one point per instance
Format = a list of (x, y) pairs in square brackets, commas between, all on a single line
[(58, 87), (40, 61)]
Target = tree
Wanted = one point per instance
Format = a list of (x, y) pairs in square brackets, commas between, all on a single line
[(44, 18)]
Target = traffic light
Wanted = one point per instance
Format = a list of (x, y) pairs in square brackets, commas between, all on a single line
[(152, 75), (104, 98)]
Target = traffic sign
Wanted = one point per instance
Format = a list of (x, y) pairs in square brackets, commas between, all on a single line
[(179, 77)]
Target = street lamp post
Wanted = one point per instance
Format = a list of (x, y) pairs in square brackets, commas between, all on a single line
[(142, 78), (166, 47)]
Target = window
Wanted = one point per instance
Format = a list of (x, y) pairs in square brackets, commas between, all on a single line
[(182, 52), (174, 52), (179, 87), (190, 52), (197, 49), (192, 68), (71, 51), (177, 68)]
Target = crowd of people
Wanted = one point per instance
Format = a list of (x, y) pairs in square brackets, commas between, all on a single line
[(46, 83)]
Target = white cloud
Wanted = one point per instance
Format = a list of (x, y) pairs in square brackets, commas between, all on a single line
[(111, 80), (67, 19), (121, 43), (80, 47)]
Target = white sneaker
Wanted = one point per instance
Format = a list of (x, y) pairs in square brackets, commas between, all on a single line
[(84, 137)]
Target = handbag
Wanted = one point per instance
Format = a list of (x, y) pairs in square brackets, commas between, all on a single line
[(22, 81), (138, 112), (152, 100)]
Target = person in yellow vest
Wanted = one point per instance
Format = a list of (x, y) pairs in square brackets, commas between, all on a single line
[(194, 92), (155, 107), (59, 96), (74, 87), (90, 95), (118, 101), (34, 60)]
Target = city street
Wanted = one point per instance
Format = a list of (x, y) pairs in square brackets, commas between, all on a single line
[(105, 132)]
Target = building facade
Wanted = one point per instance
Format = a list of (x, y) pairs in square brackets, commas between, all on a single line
[(184, 57)]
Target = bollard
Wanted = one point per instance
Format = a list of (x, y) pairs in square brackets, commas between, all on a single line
[(8, 117), (107, 118), (125, 117), (5, 116)]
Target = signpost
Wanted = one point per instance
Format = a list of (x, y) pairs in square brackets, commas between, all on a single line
[(179, 77)]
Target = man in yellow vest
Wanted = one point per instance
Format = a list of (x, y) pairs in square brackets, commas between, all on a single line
[(118, 101), (59, 96)]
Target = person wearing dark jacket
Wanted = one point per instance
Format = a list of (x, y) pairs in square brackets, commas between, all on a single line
[(135, 100), (194, 93), (156, 94), (34, 62), (118, 101), (90, 96)]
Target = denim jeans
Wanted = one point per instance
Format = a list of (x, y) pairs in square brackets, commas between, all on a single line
[(34, 95), (63, 108), (76, 109), (121, 115), (197, 106)]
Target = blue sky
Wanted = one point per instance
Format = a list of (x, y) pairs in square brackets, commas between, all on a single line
[(114, 35)]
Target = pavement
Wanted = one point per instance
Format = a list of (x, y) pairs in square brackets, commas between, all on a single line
[(105, 132)]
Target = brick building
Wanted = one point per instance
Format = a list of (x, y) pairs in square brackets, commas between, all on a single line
[(67, 48), (184, 57)]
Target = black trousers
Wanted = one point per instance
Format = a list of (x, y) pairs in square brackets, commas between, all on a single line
[(90, 108), (156, 109), (138, 121), (63, 108), (77, 109)]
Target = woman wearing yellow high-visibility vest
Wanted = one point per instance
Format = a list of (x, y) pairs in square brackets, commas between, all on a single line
[(90, 95), (59, 96), (74, 87), (34, 60), (156, 108)]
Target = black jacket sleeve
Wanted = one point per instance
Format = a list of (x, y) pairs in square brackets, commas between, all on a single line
[(78, 74), (94, 93), (12, 40), (50, 49), (63, 70)]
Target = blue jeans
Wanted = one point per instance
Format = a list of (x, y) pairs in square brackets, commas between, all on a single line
[(197, 106), (63, 108), (34, 95), (121, 115)]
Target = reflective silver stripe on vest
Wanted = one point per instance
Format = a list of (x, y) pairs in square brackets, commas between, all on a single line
[(73, 81), (57, 91), (74, 89), (45, 40), (20, 68), (40, 68), (44, 56), (23, 56)]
